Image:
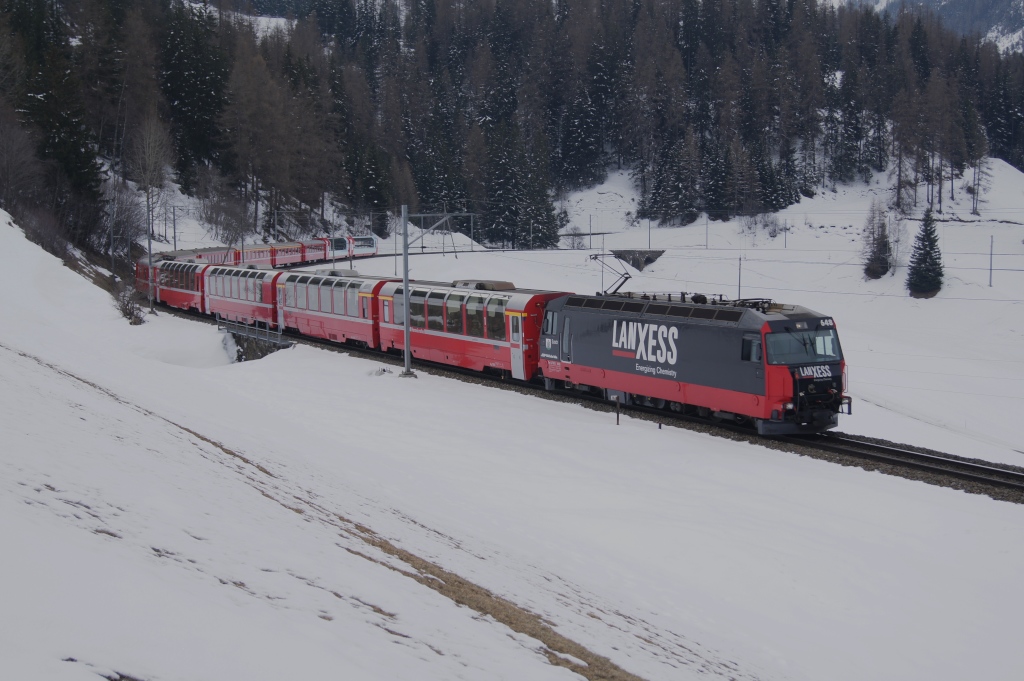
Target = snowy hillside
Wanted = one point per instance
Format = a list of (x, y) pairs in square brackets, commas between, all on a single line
[(169, 515)]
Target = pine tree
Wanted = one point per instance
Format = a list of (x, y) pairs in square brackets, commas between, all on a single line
[(925, 276), (194, 79)]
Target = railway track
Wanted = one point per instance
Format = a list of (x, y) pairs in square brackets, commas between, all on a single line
[(901, 455), (979, 477)]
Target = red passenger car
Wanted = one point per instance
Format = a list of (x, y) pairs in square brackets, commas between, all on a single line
[(479, 325), (337, 305), (241, 294)]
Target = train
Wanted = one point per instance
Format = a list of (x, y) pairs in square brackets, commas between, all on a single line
[(777, 367), (279, 254)]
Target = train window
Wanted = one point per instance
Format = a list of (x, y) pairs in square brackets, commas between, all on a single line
[(387, 311), (703, 313), (339, 297), (435, 311), (751, 349), (550, 323), (798, 347), (300, 295), (364, 306), (399, 302), (416, 302), (496, 318), (613, 304), (574, 301), (728, 315), (353, 298), (453, 313), (257, 283), (475, 316), (289, 294), (657, 309), (325, 296), (633, 307), (250, 289), (234, 287), (313, 295), (679, 311), (303, 280), (593, 302), (566, 340), (515, 328)]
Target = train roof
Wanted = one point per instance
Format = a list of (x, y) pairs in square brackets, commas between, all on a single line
[(481, 285), (744, 312)]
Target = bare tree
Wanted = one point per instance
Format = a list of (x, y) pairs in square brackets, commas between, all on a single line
[(124, 219), (149, 157), (126, 300), (878, 256), (227, 215), (575, 238)]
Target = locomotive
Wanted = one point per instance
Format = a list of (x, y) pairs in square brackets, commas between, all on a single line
[(777, 367)]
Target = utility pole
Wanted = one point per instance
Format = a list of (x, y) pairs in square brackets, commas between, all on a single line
[(739, 281), (149, 249), (648, 234), (591, 218), (174, 225), (705, 231), (407, 373), (991, 247), (112, 248)]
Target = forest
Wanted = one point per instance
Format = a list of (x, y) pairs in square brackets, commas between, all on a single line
[(492, 107)]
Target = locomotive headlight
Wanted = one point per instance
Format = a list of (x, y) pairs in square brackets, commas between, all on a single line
[(787, 406)]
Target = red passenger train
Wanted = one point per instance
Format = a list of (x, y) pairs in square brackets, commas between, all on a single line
[(778, 367)]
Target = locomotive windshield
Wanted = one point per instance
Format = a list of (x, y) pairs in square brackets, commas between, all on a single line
[(803, 347)]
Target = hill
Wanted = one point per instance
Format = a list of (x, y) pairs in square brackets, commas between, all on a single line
[(170, 515)]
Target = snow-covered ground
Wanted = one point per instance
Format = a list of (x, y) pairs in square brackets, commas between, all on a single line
[(169, 515)]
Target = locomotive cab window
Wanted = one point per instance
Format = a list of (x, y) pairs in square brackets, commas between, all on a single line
[(751, 349), (803, 347), (550, 323), (566, 341)]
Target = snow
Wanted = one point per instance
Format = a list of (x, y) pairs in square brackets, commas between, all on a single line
[(167, 514)]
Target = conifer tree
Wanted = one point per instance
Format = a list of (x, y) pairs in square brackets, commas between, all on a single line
[(925, 276)]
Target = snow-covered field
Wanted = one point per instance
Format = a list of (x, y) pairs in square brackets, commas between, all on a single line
[(169, 515)]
